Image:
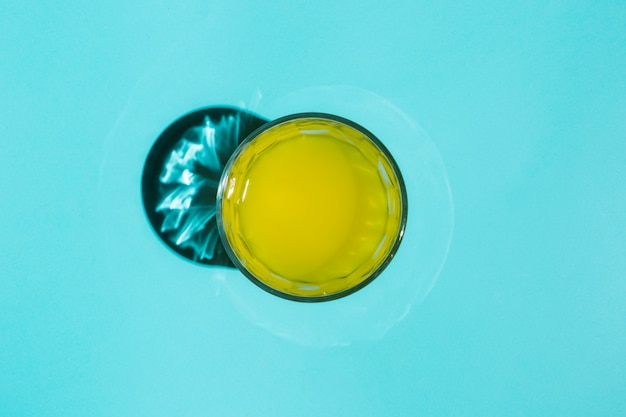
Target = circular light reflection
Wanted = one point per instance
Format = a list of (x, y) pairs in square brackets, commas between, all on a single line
[(372, 311)]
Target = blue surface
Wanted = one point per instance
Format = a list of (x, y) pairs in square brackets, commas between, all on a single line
[(526, 103)]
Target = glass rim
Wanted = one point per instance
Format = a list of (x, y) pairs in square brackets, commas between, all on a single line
[(304, 116)]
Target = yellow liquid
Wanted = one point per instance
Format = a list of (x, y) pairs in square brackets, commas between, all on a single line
[(311, 207)]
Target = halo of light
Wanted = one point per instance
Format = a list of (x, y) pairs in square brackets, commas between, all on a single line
[(372, 311), (167, 91)]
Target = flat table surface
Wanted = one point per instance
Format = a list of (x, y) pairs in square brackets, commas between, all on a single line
[(524, 101)]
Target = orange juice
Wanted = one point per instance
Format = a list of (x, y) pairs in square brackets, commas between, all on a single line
[(311, 207)]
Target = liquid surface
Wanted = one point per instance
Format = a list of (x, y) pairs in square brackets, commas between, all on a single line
[(311, 208)]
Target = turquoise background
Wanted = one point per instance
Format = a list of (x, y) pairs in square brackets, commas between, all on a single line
[(526, 102)]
